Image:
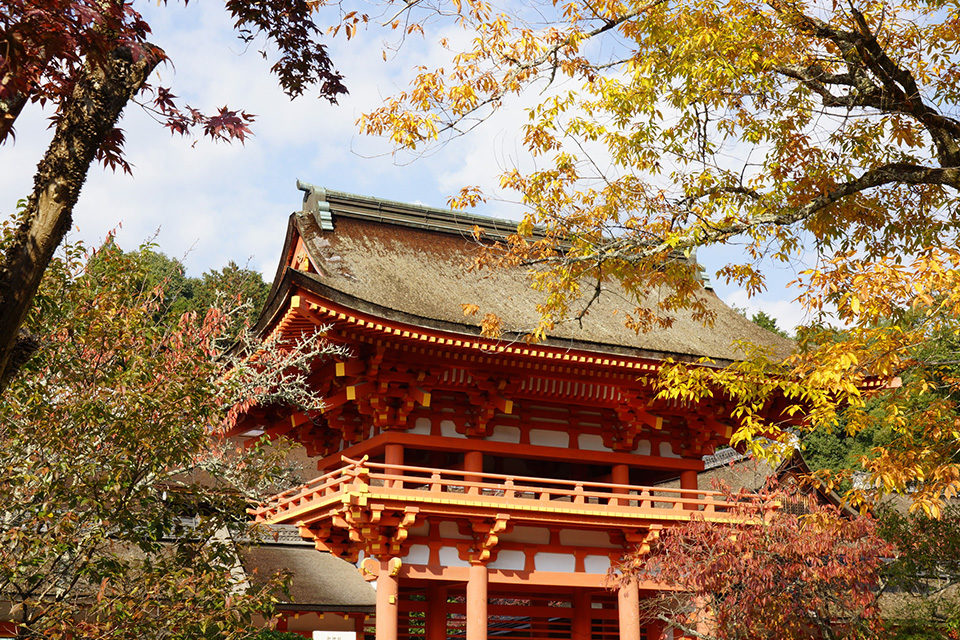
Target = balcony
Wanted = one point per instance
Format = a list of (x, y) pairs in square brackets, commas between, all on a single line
[(447, 493)]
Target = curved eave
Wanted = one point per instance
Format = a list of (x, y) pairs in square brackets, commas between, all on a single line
[(339, 307)]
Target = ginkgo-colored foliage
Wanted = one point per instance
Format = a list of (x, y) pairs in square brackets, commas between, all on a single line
[(89, 59), (812, 134), (122, 508), (793, 569)]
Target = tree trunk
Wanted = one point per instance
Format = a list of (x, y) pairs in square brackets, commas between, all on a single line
[(86, 119)]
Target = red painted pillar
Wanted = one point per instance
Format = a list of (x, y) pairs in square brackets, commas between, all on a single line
[(388, 596), (473, 461), (477, 602), (628, 602), (620, 474), (702, 617), (436, 613), (393, 455), (582, 615), (688, 480), (359, 622)]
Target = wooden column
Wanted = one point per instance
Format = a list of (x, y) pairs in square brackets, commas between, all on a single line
[(393, 455), (702, 618), (477, 602), (473, 461), (628, 603), (436, 613), (688, 480), (358, 625), (539, 625), (388, 596), (620, 474), (582, 615)]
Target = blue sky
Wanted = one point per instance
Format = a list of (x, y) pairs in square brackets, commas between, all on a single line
[(209, 203)]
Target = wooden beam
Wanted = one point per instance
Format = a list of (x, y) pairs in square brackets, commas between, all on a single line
[(375, 445)]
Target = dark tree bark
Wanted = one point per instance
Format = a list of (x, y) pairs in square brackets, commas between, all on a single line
[(86, 119)]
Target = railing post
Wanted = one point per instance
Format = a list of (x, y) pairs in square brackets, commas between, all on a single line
[(688, 482), (357, 475), (620, 474), (645, 502), (578, 493), (435, 486), (393, 455), (473, 461)]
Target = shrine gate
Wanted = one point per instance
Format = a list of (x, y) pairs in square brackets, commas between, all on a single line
[(487, 486)]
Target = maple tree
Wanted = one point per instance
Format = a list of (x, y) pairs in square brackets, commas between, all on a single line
[(792, 569), (239, 291), (89, 59), (123, 509), (816, 134)]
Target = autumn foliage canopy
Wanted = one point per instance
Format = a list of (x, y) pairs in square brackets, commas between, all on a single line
[(796, 570), (124, 510), (812, 135)]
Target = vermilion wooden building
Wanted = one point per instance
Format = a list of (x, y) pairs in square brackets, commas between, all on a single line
[(488, 486)]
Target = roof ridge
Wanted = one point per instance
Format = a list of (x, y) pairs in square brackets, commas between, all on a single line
[(322, 202)]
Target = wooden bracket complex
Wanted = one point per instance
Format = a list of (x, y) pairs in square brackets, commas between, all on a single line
[(485, 539)]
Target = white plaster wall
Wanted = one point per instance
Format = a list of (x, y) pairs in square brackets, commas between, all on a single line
[(667, 451), (418, 554), (549, 438), (450, 558), (642, 448), (509, 559), (596, 564), (592, 442), (579, 538), (554, 562), (505, 433), (449, 429), (527, 535), (421, 427), (449, 530)]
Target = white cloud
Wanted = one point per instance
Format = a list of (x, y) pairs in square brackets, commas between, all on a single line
[(787, 312), (221, 201), (216, 202)]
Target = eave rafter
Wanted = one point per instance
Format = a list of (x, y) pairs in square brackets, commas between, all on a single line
[(400, 369)]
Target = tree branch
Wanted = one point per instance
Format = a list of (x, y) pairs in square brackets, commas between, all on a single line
[(630, 250), (85, 120)]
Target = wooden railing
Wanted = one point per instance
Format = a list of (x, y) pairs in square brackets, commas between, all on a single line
[(399, 480)]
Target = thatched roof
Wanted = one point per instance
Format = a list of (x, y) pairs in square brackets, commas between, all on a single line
[(411, 263), (319, 581)]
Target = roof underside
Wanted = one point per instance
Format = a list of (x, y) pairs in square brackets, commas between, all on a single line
[(411, 264), (319, 581)]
